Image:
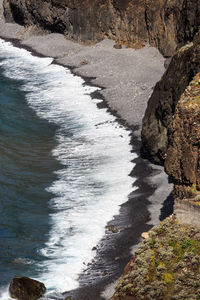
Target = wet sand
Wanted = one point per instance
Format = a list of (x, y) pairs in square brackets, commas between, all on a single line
[(126, 77)]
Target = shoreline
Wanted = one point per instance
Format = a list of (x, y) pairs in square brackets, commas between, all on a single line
[(135, 216)]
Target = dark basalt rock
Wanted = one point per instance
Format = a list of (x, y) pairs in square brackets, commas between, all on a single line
[(165, 24), (184, 65), (183, 153), (24, 288)]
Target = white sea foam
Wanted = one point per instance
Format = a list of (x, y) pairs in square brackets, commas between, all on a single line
[(4, 294), (95, 155)]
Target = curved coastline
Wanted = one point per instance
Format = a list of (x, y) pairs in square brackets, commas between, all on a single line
[(142, 210)]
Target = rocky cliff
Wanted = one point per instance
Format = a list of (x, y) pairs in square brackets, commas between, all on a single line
[(162, 104), (166, 24), (183, 153)]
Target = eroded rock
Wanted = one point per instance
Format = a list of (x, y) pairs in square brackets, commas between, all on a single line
[(183, 154), (162, 105)]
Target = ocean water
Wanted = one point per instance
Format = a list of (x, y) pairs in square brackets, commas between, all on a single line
[(64, 171)]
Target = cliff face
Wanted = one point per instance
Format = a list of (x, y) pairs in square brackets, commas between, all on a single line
[(162, 104), (183, 155), (166, 24)]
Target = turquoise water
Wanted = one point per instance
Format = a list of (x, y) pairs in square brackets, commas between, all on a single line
[(64, 168), (27, 166)]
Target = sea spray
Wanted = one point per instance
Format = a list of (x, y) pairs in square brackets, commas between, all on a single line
[(94, 155)]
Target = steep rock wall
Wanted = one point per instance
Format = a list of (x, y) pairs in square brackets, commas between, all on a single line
[(183, 155), (162, 104), (166, 24)]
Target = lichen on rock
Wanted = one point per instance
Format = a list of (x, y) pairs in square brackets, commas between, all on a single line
[(166, 266)]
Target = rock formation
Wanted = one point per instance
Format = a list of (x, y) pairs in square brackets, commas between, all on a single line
[(24, 288), (183, 154), (162, 104), (165, 24)]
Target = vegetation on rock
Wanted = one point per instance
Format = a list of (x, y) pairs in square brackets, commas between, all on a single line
[(165, 266)]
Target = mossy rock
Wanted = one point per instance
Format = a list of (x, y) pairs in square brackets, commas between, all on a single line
[(167, 266)]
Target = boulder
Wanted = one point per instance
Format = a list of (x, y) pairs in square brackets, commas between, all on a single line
[(24, 288)]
